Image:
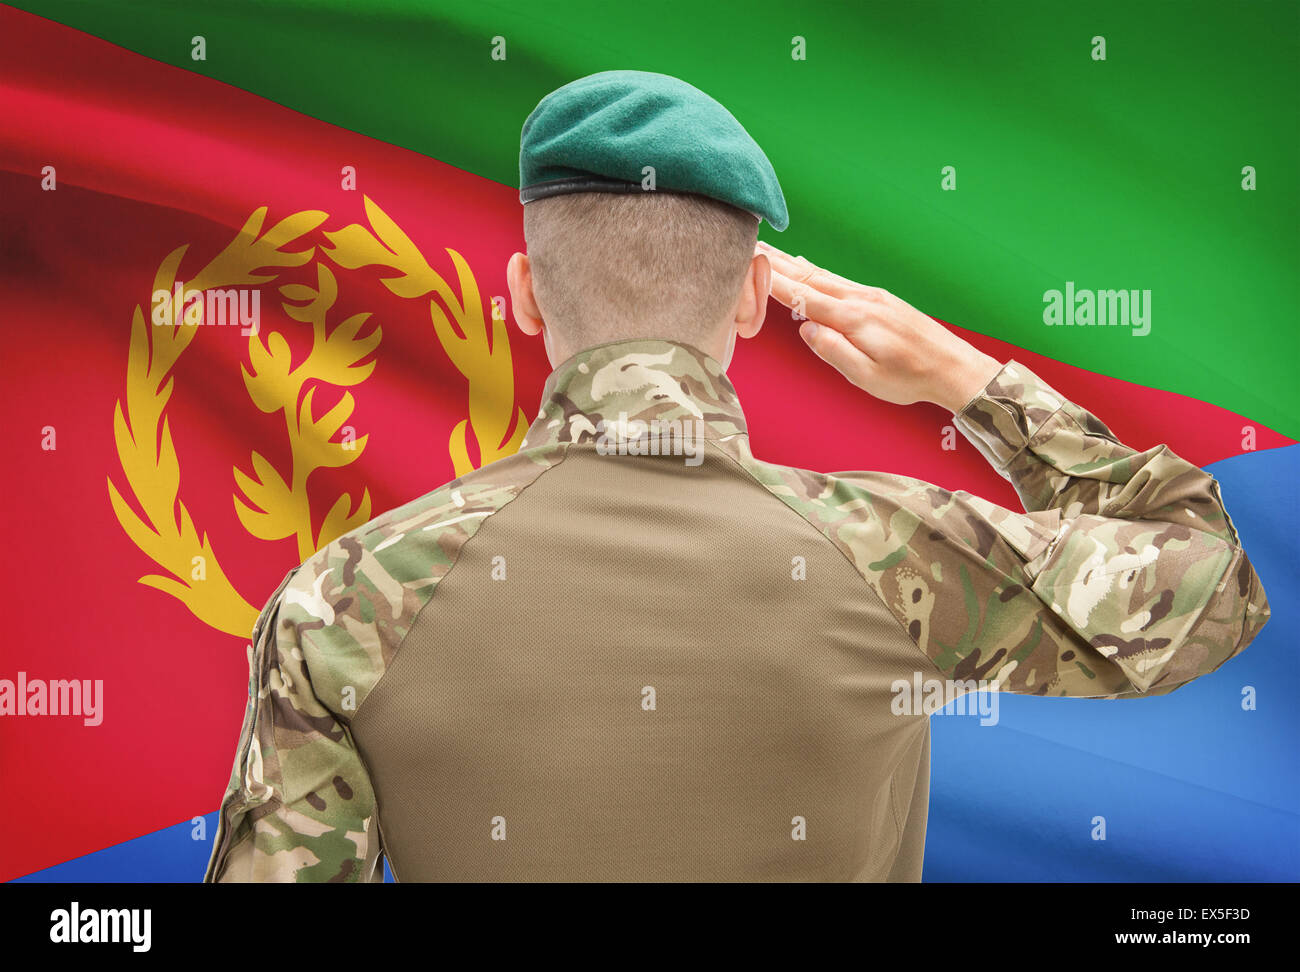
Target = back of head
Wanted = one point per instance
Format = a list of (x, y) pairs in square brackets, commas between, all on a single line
[(610, 266)]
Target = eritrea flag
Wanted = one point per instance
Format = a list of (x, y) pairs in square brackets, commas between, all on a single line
[(254, 281)]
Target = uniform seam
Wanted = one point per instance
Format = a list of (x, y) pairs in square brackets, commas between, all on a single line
[(425, 606), (893, 806), (370, 776), (840, 550)]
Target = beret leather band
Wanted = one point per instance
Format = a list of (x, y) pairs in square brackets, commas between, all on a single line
[(589, 183)]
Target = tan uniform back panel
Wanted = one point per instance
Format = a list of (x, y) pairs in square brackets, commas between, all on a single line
[(516, 707)]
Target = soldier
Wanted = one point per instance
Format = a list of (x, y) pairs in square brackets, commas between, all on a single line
[(592, 660)]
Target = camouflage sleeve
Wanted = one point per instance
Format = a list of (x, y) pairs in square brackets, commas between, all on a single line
[(1059, 456), (1123, 577), (1150, 505), (299, 805), (1144, 574)]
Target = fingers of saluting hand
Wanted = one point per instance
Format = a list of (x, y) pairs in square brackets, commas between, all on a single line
[(838, 352), (804, 271), (813, 291)]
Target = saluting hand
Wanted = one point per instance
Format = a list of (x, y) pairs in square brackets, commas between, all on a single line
[(877, 341)]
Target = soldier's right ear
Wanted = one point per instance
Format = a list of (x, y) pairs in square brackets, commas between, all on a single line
[(523, 302)]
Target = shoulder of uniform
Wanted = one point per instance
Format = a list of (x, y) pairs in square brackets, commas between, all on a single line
[(383, 571), (826, 498), (879, 519), (411, 542)]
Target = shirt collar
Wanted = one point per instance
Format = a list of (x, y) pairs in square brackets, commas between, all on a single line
[(615, 386)]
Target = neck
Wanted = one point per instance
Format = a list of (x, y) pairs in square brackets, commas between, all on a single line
[(715, 343), (639, 381)]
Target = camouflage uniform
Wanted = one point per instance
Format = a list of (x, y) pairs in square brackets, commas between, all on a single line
[(626, 679)]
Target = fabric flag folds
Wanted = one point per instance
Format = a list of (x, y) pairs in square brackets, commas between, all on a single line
[(234, 332)]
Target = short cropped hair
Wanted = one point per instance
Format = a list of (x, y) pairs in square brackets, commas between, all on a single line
[(615, 266)]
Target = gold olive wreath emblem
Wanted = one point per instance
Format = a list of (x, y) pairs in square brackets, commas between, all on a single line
[(274, 504)]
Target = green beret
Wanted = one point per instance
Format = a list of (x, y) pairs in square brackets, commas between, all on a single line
[(597, 133)]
